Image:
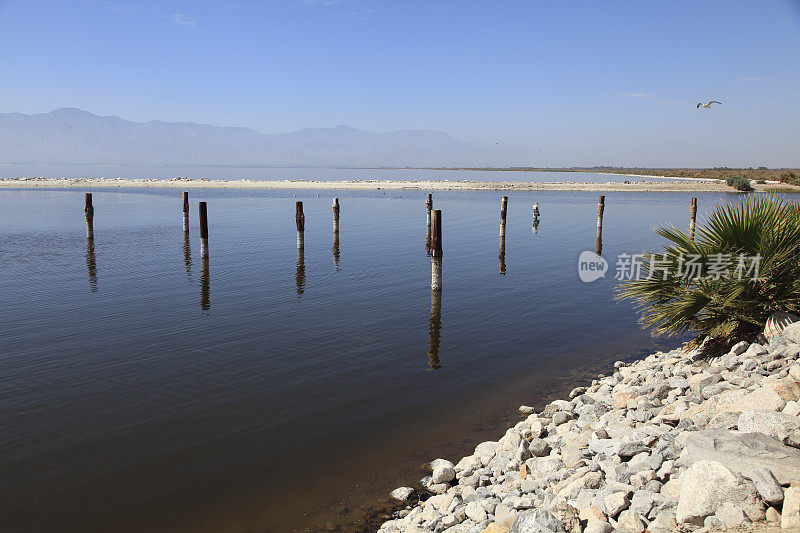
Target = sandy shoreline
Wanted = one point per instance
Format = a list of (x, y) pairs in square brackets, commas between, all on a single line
[(433, 185)]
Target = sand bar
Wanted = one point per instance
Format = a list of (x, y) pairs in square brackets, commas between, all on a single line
[(433, 185)]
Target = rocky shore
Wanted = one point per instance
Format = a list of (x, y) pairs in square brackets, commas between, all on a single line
[(677, 441)]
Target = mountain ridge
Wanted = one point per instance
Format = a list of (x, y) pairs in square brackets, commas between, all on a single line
[(74, 136)]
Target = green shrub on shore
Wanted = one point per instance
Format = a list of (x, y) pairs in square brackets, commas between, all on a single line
[(739, 184), (734, 304)]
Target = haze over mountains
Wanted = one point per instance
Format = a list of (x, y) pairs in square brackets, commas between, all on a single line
[(73, 136)]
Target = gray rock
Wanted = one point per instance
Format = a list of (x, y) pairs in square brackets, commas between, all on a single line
[(707, 485), (539, 447), (678, 383), (790, 517), (440, 462), (598, 526), (792, 332), (561, 417), (700, 381), (739, 348), (402, 493), (723, 421), (785, 428), (536, 521), (766, 485), (630, 522), (475, 512), (664, 522), (731, 515), (642, 502), (742, 453), (612, 504), (443, 473)]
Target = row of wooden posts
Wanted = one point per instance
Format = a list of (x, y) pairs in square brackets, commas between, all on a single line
[(433, 246), (433, 242)]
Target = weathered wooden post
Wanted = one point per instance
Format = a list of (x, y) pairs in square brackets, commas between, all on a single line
[(335, 250), (435, 330), (692, 217), (88, 210), (428, 208), (204, 252), (335, 216), (185, 211), (436, 250), (503, 211), (600, 208), (300, 221)]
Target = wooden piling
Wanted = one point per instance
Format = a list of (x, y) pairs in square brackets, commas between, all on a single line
[(88, 210), (436, 233), (335, 209), (185, 211), (503, 211), (436, 250), (335, 249), (601, 205), (692, 217), (204, 252), (428, 208), (300, 222)]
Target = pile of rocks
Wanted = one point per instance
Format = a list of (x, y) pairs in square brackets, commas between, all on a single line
[(673, 442)]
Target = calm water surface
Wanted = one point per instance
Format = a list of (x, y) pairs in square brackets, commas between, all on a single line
[(278, 392)]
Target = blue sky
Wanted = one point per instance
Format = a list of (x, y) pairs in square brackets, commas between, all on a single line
[(599, 82)]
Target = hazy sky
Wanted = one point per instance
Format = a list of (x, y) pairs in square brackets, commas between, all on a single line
[(597, 82)]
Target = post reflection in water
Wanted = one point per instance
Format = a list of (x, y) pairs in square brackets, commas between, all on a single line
[(435, 323), (187, 255), (205, 283), (535, 225), (502, 254), (300, 275), (91, 265), (335, 250)]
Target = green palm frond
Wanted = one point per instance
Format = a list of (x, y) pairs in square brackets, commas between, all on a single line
[(766, 227)]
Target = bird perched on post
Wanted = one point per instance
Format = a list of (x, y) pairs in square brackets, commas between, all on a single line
[(708, 104)]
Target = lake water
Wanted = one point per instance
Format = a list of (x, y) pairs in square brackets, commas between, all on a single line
[(260, 172), (269, 392)]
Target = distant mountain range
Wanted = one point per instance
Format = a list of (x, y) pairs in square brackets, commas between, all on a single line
[(74, 136)]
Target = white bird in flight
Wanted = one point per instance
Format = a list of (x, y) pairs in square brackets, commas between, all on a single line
[(708, 104)]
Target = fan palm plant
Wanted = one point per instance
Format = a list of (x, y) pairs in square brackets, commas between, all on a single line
[(743, 266)]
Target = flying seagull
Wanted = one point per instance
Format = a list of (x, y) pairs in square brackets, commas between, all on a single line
[(708, 104)]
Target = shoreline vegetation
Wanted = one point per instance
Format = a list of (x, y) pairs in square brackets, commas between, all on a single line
[(679, 185)]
